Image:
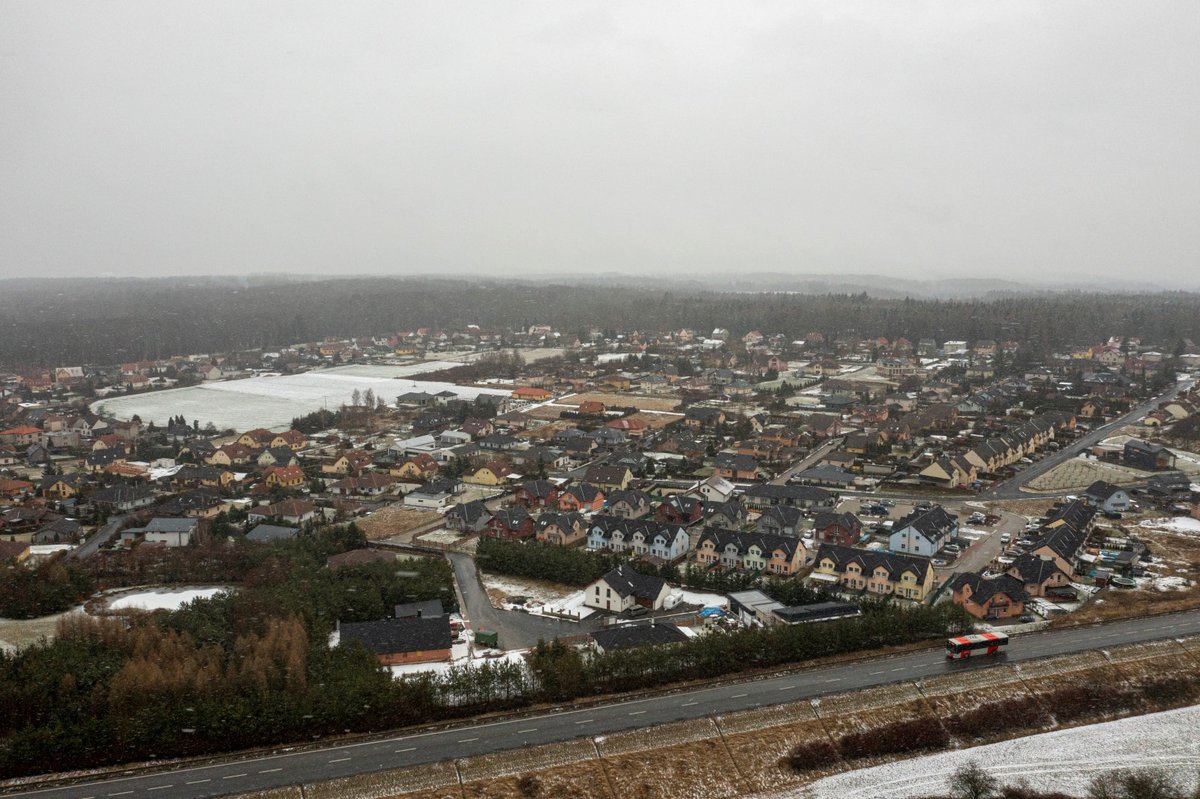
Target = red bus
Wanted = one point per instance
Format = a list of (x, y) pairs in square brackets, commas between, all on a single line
[(984, 644)]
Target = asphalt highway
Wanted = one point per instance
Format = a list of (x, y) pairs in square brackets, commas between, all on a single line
[(290, 768)]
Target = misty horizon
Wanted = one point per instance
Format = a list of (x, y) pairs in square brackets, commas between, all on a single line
[(1035, 143)]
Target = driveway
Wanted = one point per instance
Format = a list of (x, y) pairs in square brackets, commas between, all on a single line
[(517, 630)]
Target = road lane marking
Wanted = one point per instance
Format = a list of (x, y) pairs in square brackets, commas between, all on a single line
[(834, 679), (531, 729), (585, 721), (409, 749), (232, 776), (637, 712), (787, 688), (159, 787), (270, 770), (120, 793), (197, 782), (468, 740), (340, 760), (873, 673)]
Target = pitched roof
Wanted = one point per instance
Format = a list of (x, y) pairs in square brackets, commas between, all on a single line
[(271, 532), (1033, 569), (767, 543), (984, 588), (869, 560), (627, 582)]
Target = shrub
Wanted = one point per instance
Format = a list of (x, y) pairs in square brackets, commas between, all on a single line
[(995, 717), (916, 735), (811, 755)]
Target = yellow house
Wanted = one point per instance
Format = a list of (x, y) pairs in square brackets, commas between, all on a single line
[(285, 476), (419, 468), (883, 573), (352, 461), (490, 474)]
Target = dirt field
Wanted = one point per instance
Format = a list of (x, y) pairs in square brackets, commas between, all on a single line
[(395, 521), (20, 633), (642, 403), (1175, 555)]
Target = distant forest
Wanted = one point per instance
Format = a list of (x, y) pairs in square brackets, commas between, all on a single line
[(103, 321)]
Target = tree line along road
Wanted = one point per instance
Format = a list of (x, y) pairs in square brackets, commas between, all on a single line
[(465, 740)]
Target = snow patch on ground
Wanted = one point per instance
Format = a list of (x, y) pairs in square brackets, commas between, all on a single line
[(163, 598), (1173, 524), (1065, 760)]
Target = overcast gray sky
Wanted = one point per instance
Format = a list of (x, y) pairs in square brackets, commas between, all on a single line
[(1028, 140)]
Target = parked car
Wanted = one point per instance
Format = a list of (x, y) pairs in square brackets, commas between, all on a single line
[(1025, 618)]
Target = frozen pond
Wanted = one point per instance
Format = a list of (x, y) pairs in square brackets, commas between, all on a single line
[(273, 402), (163, 598)]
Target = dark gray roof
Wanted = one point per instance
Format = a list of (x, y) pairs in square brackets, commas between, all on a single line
[(869, 559), (633, 635), (429, 609), (984, 588), (627, 582), (263, 533), (817, 611), (392, 636)]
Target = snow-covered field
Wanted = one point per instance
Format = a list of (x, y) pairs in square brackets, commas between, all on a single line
[(1173, 524), (273, 402), (1065, 760), (162, 598)]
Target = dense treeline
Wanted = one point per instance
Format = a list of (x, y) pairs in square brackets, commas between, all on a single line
[(53, 323), (540, 561), (49, 588), (243, 668)]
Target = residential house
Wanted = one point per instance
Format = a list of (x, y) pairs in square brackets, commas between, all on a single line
[(469, 517), (665, 543), (843, 529), (417, 468), (762, 552), (781, 520), (266, 533), (292, 511), (796, 496), (630, 504), (371, 484), (723, 514), (714, 489), (563, 529), (165, 532), (631, 636), (998, 597), (277, 456), (350, 462), (873, 571), (581, 497), (923, 532), (537, 494), (284, 477), (510, 524), (1039, 575), (1142, 455), (121, 499), (608, 478), (492, 473), (433, 495), (401, 641), (679, 509), (732, 466), (623, 588), (1107, 497)]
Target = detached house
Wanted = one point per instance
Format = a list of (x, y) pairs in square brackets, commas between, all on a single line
[(923, 532), (537, 494), (629, 504), (623, 588), (781, 520), (284, 477), (732, 466), (563, 529), (510, 524), (469, 517), (999, 597), (582, 497), (1107, 497), (609, 478), (843, 529)]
